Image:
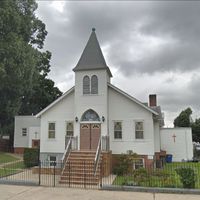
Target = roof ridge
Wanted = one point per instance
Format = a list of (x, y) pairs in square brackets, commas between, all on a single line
[(132, 98), (54, 102)]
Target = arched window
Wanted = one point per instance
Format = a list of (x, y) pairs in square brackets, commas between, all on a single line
[(86, 85), (90, 115), (94, 85)]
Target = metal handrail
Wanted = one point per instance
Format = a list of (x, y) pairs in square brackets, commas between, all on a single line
[(67, 151), (97, 156)]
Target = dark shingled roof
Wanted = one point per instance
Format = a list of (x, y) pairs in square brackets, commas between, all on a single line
[(160, 115), (92, 56)]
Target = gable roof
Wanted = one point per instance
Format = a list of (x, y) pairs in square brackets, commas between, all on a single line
[(109, 85), (55, 102), (132, 99), (92, 56)]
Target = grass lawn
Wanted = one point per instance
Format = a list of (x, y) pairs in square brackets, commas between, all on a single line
[(16, 165), (6, 172), (5, 158), (166, 177), (11, 168)]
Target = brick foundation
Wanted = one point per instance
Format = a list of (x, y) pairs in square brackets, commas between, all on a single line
[(107, 163), (147, 162), (35, 170), (19, 150), (160, 155)]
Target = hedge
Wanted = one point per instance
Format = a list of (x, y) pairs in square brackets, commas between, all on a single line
[(31, 157)]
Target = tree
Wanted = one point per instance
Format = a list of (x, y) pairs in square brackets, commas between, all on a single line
[(196, 130), (184, 118), (23, 66), (41, 95)]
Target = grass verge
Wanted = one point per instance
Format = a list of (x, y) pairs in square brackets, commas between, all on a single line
[(6, 158)]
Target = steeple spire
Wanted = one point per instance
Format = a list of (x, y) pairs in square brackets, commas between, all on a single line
[(92, 56)]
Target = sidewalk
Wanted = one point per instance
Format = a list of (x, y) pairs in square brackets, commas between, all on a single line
[(42, 193)]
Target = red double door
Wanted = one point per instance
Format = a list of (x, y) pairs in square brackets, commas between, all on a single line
[(89, 136)]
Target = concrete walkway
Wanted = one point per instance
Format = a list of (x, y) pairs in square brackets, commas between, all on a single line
[(8, 192)]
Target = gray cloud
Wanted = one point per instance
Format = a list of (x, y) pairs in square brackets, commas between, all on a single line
[(141, 38), (119, 24)]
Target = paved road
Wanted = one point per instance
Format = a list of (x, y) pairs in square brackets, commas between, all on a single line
[(8, 192)]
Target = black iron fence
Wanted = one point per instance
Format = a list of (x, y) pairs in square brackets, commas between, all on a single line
[(17, 172), (162, 175), (81, 174), (53, 174)]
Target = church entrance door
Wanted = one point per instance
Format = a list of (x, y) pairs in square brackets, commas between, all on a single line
[(89, 136)]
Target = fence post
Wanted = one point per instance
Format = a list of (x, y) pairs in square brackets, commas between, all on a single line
[(69, 173), (54, 173), (84, 176), (101, 175), (39, 172)]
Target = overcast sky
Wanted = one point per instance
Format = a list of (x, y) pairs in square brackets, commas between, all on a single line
[(150, 47)]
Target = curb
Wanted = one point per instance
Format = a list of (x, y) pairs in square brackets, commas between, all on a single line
[(151, 190), (13, 182)]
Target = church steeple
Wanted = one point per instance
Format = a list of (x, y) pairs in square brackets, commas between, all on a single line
[(92, 57)]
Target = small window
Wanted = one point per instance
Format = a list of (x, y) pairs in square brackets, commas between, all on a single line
[(138, 163), (52, 130), (86, 85), (139, 130), (94, 85), (118, 130), (24, 131), (69, 129), (52, 160)]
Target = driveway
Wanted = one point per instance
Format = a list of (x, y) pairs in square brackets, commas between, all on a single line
[(8, 192)]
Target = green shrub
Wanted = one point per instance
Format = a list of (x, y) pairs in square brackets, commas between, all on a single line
[(119, 170), (161, 173), (31, 157), (187, 176), (125, 164), (140, 176)]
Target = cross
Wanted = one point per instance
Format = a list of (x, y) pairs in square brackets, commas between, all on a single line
[(174, 136)]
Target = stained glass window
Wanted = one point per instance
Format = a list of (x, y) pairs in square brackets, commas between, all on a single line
[(69, 129), (118, 130), (86, 85), (52, 130), (90, 115), (94, 85), (139, 130)]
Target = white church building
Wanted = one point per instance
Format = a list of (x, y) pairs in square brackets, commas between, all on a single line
[(94, 110)]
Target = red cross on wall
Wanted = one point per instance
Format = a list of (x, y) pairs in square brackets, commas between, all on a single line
[(174, 136)]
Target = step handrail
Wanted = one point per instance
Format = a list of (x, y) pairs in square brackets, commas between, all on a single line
[(67, 151), (97, 156)]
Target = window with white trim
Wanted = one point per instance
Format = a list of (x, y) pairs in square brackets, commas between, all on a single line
[(139, 130), (24, 131), (52, 160), (69, 129), (138, 163), (117, 130), (51, 130)]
